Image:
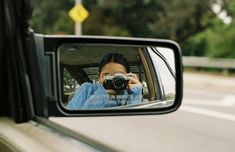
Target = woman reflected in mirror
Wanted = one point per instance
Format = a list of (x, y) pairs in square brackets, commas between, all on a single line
[(117, 86)]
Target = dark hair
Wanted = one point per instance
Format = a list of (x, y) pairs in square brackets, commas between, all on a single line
[(114, 58)]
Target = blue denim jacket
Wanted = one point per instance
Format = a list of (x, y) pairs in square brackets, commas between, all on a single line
[(94, 96)]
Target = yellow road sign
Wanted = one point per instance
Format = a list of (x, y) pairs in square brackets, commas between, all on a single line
[(78, 13)]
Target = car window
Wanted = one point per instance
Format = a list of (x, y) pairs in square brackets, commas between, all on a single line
[(163, 57), (70, 84)]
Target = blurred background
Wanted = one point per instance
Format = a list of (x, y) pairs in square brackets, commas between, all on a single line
[(202, 28)]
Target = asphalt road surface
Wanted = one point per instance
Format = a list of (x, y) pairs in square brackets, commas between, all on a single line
[(205, 122)]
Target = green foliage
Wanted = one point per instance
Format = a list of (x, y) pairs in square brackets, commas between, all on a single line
[(191, 23), (50, 17), (176, 19), (196, 46), (69, 82), (221, 42), (217, 41)]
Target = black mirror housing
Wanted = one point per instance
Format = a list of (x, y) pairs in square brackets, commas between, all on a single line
[(49, 50)]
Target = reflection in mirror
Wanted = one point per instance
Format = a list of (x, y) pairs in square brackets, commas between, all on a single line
[(116, 76)]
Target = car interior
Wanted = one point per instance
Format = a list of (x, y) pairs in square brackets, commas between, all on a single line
[(76, 69)]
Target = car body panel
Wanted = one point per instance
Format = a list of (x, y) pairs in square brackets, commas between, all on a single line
[(34, 136)]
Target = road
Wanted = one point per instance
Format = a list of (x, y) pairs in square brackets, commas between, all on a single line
[(205, 122)]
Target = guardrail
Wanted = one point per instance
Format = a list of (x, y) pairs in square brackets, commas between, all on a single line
[(205, 62)]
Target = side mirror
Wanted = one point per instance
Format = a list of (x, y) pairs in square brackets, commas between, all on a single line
[(81, 79)]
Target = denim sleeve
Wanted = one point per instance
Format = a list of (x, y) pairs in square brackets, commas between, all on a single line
[(94, 96), (99, 99), (136, 96), (80, 96)]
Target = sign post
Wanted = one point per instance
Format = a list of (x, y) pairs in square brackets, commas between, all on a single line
[(78, 13), (78, 26)]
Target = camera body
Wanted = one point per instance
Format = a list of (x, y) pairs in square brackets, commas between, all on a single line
[(118, 82)]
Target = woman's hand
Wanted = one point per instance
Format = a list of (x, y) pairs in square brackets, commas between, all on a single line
[(133, 81)]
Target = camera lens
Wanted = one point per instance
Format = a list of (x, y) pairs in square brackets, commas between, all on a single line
[(119, 83)]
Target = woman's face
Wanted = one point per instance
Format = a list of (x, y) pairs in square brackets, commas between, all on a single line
[(110, 69)]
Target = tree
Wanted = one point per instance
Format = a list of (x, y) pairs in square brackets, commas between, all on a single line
[(177, 20), (191, 23), (216, 41), (69, 82), (50, 17)]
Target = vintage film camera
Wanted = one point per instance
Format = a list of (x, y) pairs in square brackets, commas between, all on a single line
[(118, 82)]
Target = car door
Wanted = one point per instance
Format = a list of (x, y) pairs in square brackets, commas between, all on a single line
[(31, 85)]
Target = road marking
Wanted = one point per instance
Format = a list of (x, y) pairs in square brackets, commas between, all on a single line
[(202, 102), (228, 101), (208, 112)]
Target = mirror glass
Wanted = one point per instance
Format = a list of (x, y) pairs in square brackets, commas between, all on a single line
[(116, 76)]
